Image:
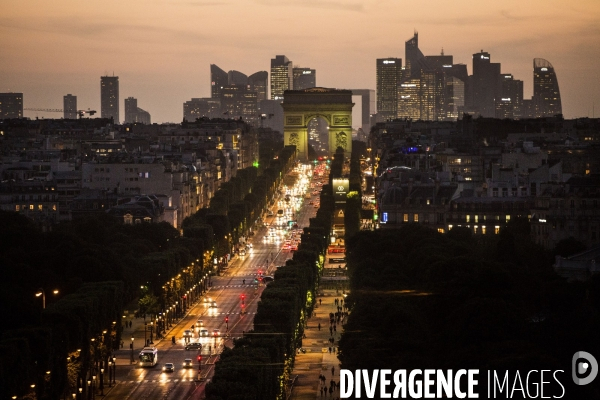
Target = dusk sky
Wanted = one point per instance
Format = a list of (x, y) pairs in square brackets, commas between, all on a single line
[(162, 50)]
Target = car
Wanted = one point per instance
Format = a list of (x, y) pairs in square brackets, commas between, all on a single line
[(213, 304), (169, 367), (193, 346), (216, 332), (203, 332), (188, 333), (199, 322), (242, 252), (269, 213), (268, 278), (188, 363)]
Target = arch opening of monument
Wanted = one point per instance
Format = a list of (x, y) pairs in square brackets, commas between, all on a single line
[(332, 105), (318, 135)]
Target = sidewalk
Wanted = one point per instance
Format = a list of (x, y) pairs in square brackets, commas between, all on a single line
[(318, 360)]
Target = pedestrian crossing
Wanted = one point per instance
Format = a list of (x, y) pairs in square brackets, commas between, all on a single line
[(165, 380), (228, 313)]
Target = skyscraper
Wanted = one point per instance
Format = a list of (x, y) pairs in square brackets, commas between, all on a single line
[(510, 103), (109, 97), (237, 78), (218, 79), (546, 94), (237, 101), (258, 82), (11, 105), (486, 84), (281, 76), (135, 114), (415, 60), (304, 78), (389, 75), (70, 106), (201, 107)]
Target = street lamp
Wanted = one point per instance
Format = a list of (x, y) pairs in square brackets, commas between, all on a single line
[(109, 372), (101, 381), (151, 331), (89, 389), (131, 347), (115, 370), (94, 387), (42, 292)]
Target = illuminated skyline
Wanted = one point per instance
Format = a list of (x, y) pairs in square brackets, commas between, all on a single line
[(162, 50)]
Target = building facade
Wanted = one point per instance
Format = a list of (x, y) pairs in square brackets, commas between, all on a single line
[(11, 105), (304, 78), (109, 97), (546, 94), (389, 75), (70, 106), (218, 79), (282, 77), (134, 114)]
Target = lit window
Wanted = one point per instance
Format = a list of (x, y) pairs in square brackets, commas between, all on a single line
[(449, 227), (483, 229), (416, 218), (405, 217), (17, 207), (40, 207), (441, 230), (31, 206), (428, 203), (468, 218), (476, 218), (508, 218), (475, 229), (496, 229), (54, 207)]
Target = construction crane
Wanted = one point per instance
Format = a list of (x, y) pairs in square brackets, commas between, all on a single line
[(80, 113)]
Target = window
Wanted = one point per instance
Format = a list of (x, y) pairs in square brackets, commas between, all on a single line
[(476, 218), (483, 229), (40, 207), (17, 207), (416, 218), (31, 207), (467, 218), (441, 230), (449, 227), (405, 218), (475, 229), (496, 229), (53, 207), (495, 192), (508, 218), (428, 201)]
